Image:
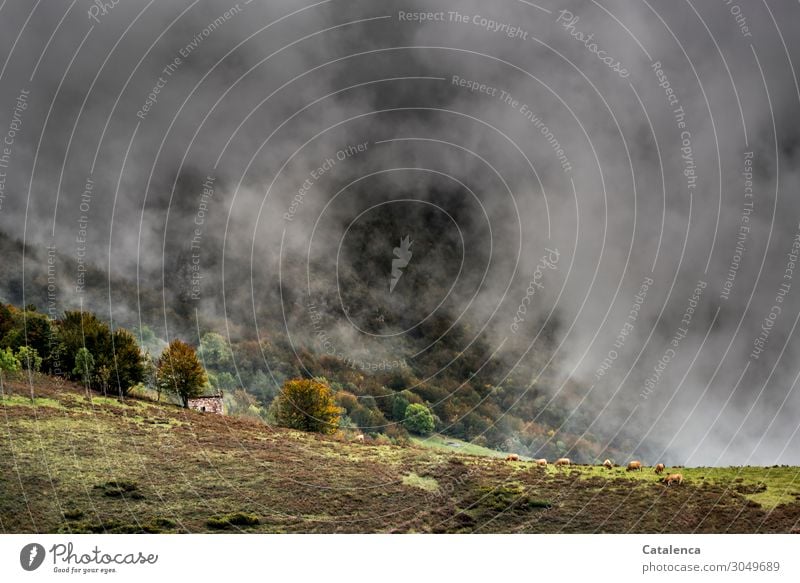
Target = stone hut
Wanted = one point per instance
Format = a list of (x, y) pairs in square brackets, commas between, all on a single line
[(207, 404)]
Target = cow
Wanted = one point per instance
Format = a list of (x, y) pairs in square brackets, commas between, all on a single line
[(672, 478), (634, 465), (512, 457), (562, 461), (359, 438), (542, 463), (608, 464), (659, 468)]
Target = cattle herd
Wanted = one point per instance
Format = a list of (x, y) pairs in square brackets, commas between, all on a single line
[(633, 466)]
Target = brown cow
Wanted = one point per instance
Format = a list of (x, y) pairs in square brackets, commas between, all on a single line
[(512, 457), (562, 461), (608, 464), (669, 480), (634, 465), (542, 463), (659, 468)]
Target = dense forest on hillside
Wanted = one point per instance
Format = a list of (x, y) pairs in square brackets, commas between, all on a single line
[(513, 400)]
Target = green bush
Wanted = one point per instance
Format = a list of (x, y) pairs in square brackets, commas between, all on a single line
[(29, 358), (8, 362), (419, 419)]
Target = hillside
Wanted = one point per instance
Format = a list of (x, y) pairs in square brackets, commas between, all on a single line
[(73, 464), (474, 391)]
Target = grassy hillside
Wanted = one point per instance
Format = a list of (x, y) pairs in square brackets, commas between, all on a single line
[(453, 445), (73, 464)]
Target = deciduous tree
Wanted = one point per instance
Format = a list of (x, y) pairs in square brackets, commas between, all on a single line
[(308, 405), (180, 371)]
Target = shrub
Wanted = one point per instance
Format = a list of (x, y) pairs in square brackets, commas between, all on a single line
[(308, 405), (399, 406), (30, 329), (381, 439), (397, 433), (84, 366), (29, 358), (8, 362), (419, 419)]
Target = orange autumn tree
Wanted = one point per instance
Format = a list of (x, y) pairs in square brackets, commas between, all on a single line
[(308, 405), (180, 372)]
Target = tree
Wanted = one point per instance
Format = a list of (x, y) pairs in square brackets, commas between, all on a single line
[(223, 381), (151, 373), (33, 330), (308, 405), (419, 419), (399, 406), (29, 358), (103, 377), (215, 352), (6, 320), (180, 371), (8, 362), (84, 366), (128, 364), (78, 330), (149, 341), (117, 358)]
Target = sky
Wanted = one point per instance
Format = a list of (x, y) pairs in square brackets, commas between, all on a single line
[(627, 169)]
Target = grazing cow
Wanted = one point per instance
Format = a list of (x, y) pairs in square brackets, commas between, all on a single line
[(542, 463), (359, 438), (562, 461), (608, 464), (512, 457), (672, 478), (659, 468), (634, 465)]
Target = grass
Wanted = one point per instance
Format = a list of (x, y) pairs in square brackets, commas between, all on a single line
[(70, 465), (427, 484), (769, 487), (22, 401), (451, 444), (120, 489), (232, 521)]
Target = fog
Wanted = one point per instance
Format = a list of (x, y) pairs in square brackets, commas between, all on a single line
[(625, 174)]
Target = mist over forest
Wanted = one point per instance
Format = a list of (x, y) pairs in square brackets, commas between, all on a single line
[(561, 253)]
